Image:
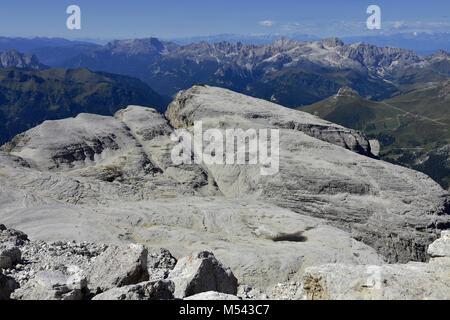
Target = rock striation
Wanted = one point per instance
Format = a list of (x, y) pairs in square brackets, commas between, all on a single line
[(411, 281), (393, 209), (110, 181)]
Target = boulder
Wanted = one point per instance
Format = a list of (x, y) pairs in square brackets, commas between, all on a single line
[(201, 272), (10, 255), (7, 286), (161, 259), (440, 247), (11, 235), (68, 284), (160, 262), (119, 266), (151, 290)]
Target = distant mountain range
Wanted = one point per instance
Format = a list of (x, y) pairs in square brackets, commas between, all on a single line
[(391, 91), (423, 43), (50, 51), (288, 72)]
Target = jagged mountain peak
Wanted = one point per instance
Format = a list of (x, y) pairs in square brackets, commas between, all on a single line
[(332, 42), (347, 92), (139, 46), (439, 55), (16, 59)]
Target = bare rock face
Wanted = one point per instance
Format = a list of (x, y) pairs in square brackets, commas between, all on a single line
[(10, 255), (16, 237), (160, 262), (347, 92), (13, 58), (151, 290), (413, 280), (111, 180), (201, 272), (227, 107), (332, 42), (118, 267), (391, 208)]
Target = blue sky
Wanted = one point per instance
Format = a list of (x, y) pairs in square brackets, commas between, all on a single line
[(170, 18)]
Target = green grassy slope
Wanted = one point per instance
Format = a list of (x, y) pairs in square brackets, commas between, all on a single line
[(410, 127)]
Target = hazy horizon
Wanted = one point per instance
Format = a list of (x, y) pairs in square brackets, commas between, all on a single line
[(171, 19)]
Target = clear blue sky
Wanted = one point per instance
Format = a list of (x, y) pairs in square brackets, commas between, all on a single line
[(169, 18)]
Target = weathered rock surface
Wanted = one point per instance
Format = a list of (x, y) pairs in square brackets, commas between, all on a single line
[(111, 180), (68, 284), (391, 208), (413, 280), (245, 234), (222, 107), (10, 255), (119, 266), (202, 272), (159, 263), (151, 290)]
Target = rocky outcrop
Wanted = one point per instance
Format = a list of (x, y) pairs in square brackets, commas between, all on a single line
[(13, 58), (7, 286), (105, 273), (60, 271), (111, 180), (393, 209), (217, 105), (160, 262), (413, 280), (201, 272), (10, 255), (347, 92)]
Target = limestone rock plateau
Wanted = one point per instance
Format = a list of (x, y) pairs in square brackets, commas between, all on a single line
[(92, 192)]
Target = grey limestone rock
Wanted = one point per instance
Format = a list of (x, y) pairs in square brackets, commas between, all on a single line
[(118, 266), (414, 280), (68, 284), (202, 272), (7, 286)]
